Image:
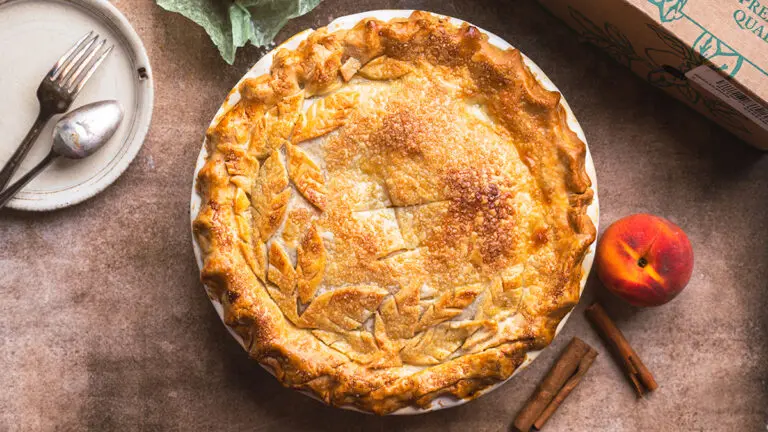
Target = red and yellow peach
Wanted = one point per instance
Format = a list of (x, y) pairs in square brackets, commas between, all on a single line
[(644, 259)]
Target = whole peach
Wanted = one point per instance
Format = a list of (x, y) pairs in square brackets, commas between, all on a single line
[(644, 259)]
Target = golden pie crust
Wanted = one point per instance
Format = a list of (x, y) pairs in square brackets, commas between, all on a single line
[(394, 213)]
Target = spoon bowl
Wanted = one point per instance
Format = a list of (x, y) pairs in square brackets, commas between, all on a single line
[(83, 131)]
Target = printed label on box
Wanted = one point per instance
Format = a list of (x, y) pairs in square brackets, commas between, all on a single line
[(724, 90)]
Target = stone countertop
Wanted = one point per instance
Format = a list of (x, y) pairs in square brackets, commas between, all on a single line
[(107, 327)]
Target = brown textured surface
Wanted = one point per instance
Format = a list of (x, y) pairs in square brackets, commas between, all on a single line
[(107, 327)]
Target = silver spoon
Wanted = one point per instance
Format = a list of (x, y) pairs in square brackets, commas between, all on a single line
[(76, 135)]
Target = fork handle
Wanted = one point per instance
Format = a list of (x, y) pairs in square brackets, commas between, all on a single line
[(13, 189), (14, 162)]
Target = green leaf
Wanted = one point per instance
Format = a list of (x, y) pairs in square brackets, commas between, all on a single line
[(232, 24), (212, 16), (242, 27), (271, 15)]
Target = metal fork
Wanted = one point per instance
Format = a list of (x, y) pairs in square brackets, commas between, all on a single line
[(57, 91)]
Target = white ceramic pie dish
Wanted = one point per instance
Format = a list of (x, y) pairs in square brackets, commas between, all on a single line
[(262, 67)]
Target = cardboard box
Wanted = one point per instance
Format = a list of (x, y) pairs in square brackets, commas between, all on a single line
[(710, 54)]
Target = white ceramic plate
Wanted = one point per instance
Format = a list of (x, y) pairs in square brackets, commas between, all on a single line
[(33, 35), (346, 22)]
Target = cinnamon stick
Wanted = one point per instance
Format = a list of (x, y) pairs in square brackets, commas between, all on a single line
[(559, 381), (641, 378), (568, 387)]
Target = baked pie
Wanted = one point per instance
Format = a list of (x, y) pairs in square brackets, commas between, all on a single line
[(395, 212)]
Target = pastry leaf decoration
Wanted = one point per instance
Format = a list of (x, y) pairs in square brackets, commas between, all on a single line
[(306, 175), (324, 116), (310, 264), (385, 68), (343, 309), (271, 195)]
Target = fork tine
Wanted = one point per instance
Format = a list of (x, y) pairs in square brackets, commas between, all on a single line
[(77, 59), (54, 72), (71, 79), (82, 78)]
